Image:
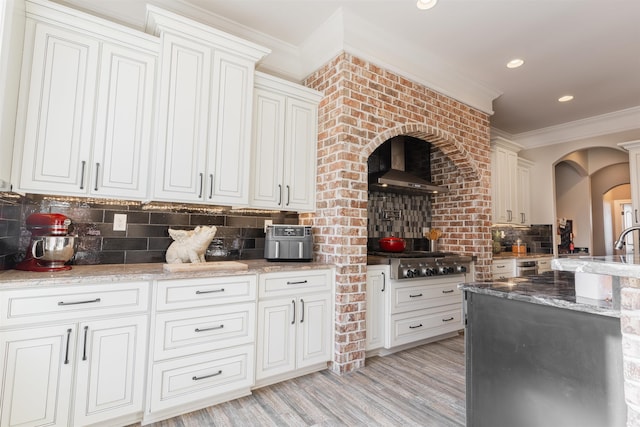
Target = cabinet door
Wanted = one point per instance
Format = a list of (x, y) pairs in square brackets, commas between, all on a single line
[(314, 330), (124, 117), (300, 155), (634, 168), (37, 376), (111, 360), (523, 205), (376, 288), (276, 337), (267, 153), (503, 173), (183, 119), (230, 143), (53, 142)]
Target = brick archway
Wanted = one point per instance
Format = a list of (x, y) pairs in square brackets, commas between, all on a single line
[(444, 141), (364, 105)]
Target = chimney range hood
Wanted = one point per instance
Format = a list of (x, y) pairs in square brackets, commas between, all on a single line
[(396, 179)]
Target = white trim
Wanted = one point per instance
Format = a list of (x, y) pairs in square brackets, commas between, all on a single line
[(617, 121)]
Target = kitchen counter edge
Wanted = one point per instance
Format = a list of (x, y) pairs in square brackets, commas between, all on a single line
[(553, 294), (112, 273), (511, 255)]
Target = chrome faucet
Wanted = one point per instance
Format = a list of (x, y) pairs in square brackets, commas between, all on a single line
[(620, 242)]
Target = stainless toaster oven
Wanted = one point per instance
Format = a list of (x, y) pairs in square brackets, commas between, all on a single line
[(288, 243)]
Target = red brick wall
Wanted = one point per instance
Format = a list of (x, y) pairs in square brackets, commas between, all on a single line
[(364, 105)]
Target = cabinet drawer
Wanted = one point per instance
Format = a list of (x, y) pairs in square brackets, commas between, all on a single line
[(182, 333), (503, 268), (68, 302), (418, 325), (188, 293), (543, 264), (425, 296), (277, 284), (182, 381)]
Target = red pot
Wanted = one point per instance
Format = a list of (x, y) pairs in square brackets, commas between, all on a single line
[(392, 244)]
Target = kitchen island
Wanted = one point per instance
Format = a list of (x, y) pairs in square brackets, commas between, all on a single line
[(537, 355)]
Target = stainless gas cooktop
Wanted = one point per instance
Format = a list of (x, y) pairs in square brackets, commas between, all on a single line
[(420, 264)]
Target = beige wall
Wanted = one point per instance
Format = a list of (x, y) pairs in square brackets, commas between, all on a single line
[(573, 201), (603, 151)]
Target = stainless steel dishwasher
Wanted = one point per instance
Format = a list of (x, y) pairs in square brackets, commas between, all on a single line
[(526, 267)]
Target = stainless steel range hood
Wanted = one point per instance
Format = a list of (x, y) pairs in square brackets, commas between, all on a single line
[(397, 179)]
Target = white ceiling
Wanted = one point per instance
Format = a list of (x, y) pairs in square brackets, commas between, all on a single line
[(586, 48)]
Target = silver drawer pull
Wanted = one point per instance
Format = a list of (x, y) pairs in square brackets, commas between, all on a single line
[(207, 376), (209, 329), (210, 292), (301, 282), (414, 327), (415, 296), (79, 302), (448, 320), (450, 291)]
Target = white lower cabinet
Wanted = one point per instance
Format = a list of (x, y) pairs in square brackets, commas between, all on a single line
[(503, 268), (85, 367), (203, 343), (422, 309), (543, 264), (37, 379), (295, 314), (377, 276)]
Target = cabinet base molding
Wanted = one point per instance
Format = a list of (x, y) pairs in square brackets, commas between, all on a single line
[(292, 374), (387, 351), (124, 420), (194, 406)]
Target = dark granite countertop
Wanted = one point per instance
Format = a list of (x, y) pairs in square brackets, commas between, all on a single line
[(552, 288)]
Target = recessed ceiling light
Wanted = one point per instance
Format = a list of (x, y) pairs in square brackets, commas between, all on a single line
[(426, 4), (565, 98), (515, 63)]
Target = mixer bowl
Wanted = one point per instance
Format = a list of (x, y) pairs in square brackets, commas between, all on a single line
[(53, 251)]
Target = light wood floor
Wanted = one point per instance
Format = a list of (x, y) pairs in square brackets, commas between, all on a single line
[(423, 386)]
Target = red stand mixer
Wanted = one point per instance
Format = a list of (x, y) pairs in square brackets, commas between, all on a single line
[(51, 246)]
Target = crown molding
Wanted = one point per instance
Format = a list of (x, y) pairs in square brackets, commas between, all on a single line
[(345, 31), (617, 121)]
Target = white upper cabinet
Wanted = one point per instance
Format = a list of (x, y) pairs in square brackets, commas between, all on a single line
[(284, 145), (510, 181), (523, 192), (205, 110), (12, 22), (86, 105)]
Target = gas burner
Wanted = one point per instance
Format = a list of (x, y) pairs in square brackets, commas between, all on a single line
[(429, 264)]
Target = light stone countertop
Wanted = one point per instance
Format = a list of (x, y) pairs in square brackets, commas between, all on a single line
[(110, 273), (612, 265), (511, 255)]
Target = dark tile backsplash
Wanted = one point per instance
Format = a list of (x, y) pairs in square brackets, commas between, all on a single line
[(399, 215), (240, 233), (538, 238)]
